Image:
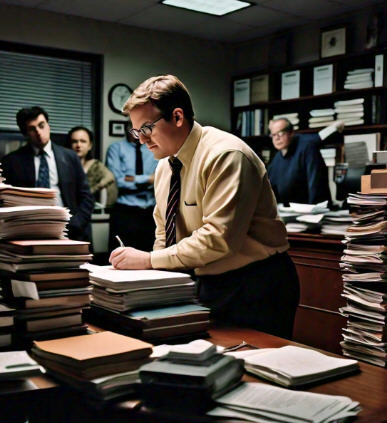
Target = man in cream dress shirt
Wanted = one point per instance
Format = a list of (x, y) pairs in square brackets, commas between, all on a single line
[(227, 228)]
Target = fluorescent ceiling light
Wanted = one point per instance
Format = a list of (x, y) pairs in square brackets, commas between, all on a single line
[(213, 7)]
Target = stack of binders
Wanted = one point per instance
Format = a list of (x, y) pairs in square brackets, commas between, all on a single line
[(189, 377), (39, 268), (364, 264)]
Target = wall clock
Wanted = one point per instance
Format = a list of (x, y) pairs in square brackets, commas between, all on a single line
[(118, 94)]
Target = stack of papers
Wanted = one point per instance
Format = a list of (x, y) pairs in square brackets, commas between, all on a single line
[(17, 365), (364, 264), (123, 290), (257, 402), (33, 222), (292, 366), (11, 196)]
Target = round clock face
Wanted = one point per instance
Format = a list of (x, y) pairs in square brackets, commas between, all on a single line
[(118, 95)]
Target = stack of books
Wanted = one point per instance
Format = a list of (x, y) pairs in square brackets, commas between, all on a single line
[(150, 304), (364, 264), (359, 78), (101, 365), (321, 117), (351, 112), (48, 291), (189, 377), (39, 268), (292, 117), (6, 326)]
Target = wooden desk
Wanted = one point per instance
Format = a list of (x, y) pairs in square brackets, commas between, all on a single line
[(368, 387), (318, 322)]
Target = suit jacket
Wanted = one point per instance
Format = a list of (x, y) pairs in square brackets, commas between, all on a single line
[(19, 170)]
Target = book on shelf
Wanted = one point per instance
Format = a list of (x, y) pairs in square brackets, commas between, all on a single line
[(323, 82), (20, 267), (259, 88), (293, 366), (379, 70), (290, 85), (73, 300), (242, 92)]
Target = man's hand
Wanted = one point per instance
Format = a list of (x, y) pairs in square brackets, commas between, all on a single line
[(129, 178), (130, 258)]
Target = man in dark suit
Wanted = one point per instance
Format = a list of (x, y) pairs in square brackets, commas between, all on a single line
[(42, 163)]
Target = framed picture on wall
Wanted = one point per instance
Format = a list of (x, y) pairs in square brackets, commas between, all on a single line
[(117, 128), (333, 41)]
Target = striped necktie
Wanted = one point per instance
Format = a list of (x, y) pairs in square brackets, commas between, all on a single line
[(43, 180), (173, 202)]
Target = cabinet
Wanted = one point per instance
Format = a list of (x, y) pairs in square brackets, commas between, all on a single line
[(375, 119), (318, 322)]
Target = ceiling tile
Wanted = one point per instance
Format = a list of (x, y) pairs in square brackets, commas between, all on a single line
[(111, 10)]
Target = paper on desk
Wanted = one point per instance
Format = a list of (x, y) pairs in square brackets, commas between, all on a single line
[(310, 218), (309, 208), (305, 406)]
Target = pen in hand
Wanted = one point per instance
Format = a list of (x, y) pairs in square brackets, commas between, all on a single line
[(119, 240)]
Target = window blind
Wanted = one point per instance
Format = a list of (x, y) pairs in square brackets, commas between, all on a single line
[(63, 87)]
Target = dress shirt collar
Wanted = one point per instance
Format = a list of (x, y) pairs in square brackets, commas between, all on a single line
[(188, 148), (47, 149)]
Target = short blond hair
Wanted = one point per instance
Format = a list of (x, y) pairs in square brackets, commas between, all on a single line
[(166, 92)]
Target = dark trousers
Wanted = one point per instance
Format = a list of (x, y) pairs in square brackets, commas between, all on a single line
[(262, 295), (134, 225)]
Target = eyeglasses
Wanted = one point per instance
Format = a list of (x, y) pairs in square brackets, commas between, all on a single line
[(279, 134), (145, 130)]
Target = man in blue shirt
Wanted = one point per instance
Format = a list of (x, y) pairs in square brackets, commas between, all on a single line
[(131, 218), (298, 172)]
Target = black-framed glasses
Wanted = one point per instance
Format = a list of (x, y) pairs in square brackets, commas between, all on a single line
[(145, 130)]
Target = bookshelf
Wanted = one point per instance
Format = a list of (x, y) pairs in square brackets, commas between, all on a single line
[(268, 100)]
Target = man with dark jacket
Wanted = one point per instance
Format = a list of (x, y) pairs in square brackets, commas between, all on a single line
[(42, 163)]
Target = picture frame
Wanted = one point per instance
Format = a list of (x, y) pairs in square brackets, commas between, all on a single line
[(117, 128), (333, 41)]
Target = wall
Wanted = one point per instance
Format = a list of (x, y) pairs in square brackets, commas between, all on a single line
[(305, 42), (130, 56)]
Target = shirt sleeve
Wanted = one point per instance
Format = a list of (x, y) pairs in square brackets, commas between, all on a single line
[(233, 186)]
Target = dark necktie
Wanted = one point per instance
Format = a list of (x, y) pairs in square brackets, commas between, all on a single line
[(139, 165), (173, 202), (43, 180)]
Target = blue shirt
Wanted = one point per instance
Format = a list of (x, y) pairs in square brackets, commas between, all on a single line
[(300, 176), (121, 160)]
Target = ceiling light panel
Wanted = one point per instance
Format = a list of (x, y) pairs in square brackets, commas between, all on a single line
[(212, 7)]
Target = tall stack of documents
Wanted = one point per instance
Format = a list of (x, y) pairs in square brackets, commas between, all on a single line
[(6, 326), (364, 264), (150, 304), (351, 112), (39, 267), (102, 365)]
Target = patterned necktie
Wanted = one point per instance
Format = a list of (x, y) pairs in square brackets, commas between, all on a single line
[(139, 165), (44, 174), (173, 202)]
